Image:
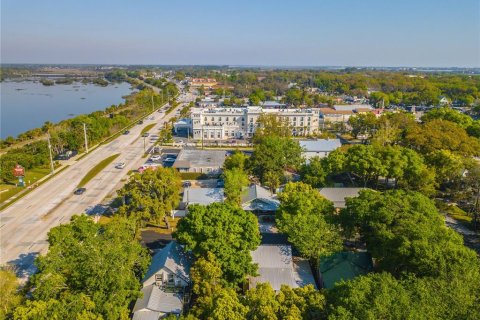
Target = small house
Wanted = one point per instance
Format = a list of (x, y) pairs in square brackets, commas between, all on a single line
[(319, 147), (259, 200)]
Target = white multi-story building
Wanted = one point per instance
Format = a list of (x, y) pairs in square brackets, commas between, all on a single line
[(241, 122)]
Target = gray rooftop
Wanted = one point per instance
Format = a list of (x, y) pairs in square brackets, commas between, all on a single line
[(351, 107), (256, 197), (320, 145), (275, 266), (203, 196), (338, 195), (154, 302), (172, 257), (200, 158)]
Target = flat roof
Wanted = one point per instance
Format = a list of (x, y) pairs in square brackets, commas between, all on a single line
[(203, 196), (200, 158), (320, 144)]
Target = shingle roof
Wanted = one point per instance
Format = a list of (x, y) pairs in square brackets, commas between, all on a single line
[(338, 195), (172, 257), (154, 301), (275, 266), (319, 145), (344, 266)]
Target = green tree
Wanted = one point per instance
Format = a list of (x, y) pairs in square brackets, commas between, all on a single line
[(10, 298), (224, 230), (306, 217), (405, 233), (235, 181), (236, 160), (314, 173), (449, 114), (363, 123), (448, 166), (152, 195), (89, 267)]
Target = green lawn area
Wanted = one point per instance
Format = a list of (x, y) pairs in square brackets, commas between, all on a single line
[(162, 228), (31, 177), (147, 128), (95, 170)]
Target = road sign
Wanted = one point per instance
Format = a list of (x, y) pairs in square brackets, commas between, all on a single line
[(18, 171)]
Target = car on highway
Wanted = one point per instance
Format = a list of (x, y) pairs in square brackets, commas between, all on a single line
[(187, 184), (126, 132), (155, 158), (140, 122), (120, 165), (79, 191)]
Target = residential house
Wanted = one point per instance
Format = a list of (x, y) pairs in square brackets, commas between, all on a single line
[(202, 196), (276, 266), (259, 200), (202, 161), (319, 147), (339, 195), (164, 284), (343, 266)]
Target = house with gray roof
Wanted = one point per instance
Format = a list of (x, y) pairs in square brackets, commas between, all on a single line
[(339, 195), (203, 196), (170, 267), (319, 147), (164, 284), (156, 304), (257, 199)]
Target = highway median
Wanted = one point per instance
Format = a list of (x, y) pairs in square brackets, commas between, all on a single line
[(95, 170)]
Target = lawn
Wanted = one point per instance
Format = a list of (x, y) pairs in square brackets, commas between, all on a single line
[(31, 177), (95, 170), (162, 228), (147, 128)]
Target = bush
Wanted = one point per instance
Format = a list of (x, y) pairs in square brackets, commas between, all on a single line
[(197, 176)]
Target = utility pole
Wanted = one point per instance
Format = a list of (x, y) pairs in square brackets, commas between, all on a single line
[(50, 151), (85, 136)]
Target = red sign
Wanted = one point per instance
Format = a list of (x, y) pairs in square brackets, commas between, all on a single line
[(18, 171)]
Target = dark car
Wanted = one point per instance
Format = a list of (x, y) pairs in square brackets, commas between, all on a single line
[(140, 122), (79, 191), (220, 184), (187, 184), (126, 132)]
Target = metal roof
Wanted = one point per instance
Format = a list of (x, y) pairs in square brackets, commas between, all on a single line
[(257, 197), (320, 145), (203, 196), (172, 257), (275, 266), (338, 195), (154, 301), (201, 158)]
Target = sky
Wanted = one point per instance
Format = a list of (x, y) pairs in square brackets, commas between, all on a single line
[(415, 33)]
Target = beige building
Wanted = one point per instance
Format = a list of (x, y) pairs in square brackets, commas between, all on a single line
[(241, 122), (206, 82)]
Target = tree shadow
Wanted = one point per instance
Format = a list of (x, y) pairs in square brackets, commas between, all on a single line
[(24, 266)]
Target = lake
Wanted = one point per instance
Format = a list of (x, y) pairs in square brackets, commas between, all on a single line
[(26, 105)]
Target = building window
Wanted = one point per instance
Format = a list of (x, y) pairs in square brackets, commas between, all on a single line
[(219, 118), (219, 134), (171, 279)]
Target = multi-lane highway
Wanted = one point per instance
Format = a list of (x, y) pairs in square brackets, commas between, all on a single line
[(24, 224)]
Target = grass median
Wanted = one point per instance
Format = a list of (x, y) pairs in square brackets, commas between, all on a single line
[(95, 170), (147, 128)]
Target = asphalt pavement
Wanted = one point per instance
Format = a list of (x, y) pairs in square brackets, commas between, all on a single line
[(24, 225)]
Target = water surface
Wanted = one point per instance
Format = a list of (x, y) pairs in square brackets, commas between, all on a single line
[(26, 105)]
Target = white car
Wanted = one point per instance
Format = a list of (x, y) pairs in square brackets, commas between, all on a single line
[(156, 158), (120, 165)]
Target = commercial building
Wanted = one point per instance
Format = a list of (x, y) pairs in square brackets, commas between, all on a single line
[(206, 82), (241, 122), (202, 161)]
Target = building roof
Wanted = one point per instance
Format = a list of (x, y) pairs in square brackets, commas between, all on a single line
[(275, 266), (272, 104), (203, 196), (256, 197), (173, 258), (200, 158), (156, 301), (338, 195), (351, 107), (333, 111), (320, 145), (344, 266)]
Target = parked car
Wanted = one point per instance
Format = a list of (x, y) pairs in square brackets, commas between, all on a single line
[(79, 191), (126, 132), (169, 160), (156, 157), (120, 165), (220, 184)]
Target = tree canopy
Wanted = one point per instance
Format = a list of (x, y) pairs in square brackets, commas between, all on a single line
[(224, 230)]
